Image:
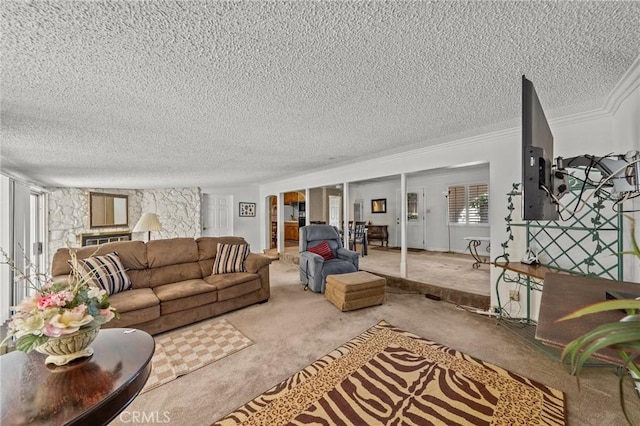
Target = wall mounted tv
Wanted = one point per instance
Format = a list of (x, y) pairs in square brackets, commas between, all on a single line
[(537, 159)]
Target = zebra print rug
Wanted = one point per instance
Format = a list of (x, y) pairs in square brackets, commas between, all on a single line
[(389, 376)]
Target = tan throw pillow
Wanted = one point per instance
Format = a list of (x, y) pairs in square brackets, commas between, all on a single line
[(230, 258), (107, 272)]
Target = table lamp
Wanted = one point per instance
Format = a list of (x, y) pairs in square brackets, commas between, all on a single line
[(147, 223)]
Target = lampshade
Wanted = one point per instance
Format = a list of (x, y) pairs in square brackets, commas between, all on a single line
[(147, 223)]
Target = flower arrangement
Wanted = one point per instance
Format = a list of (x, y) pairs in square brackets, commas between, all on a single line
[(56, 309)]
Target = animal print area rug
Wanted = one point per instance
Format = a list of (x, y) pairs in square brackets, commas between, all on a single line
[(389, 376), (186, 349)]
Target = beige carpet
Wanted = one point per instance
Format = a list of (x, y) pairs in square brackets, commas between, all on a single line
[(295, 328), (390, 376), (182, 351)]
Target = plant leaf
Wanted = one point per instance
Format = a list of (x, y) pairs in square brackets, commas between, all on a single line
[(608, 305), (29, 342), (620, 335)]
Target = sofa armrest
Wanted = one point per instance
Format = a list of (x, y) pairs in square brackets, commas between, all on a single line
[(254, 262)]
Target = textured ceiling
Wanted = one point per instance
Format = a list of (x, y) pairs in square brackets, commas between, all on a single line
[(171, 94)]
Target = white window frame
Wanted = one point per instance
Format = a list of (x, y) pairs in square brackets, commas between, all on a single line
[(466, 214)]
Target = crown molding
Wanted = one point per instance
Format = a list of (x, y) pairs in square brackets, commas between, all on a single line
[(629, 82)]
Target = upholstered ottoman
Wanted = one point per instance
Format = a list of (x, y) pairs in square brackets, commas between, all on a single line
[(355, 290)]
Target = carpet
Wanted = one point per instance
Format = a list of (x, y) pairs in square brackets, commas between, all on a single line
[(184, 350), (390, 376)]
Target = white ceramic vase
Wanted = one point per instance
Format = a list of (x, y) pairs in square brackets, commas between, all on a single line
[(64, 349)]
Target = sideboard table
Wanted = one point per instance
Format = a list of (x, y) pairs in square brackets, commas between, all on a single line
[(89, 391), (378, 232)]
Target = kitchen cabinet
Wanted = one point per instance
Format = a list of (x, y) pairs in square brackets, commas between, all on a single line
[(291, 231), (292, 197)]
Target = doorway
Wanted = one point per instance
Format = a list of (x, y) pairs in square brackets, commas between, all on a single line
[(216, 218), (415, 218), (335, 207)]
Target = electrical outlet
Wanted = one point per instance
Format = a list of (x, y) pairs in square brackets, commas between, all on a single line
[(514, 295)]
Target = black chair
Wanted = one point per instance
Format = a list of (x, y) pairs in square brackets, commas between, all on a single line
[(358, 235)]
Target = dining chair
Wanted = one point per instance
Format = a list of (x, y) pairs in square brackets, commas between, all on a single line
[(358, 235)]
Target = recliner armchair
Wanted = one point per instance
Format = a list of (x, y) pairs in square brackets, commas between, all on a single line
[(313, 267)]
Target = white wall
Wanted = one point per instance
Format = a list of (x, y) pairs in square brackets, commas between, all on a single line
[(626, 135), (178, 210), (435, 184), (247, 227), (6, 244), (599, 132), (440, 236)]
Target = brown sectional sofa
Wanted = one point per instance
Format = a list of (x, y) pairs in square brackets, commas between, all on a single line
[(172, 284)]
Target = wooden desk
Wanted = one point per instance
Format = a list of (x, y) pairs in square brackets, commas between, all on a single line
[(563, 294), (378, 232), (89, 391), (534, 271)]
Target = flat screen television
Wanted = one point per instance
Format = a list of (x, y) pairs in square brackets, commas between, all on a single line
[(537, 159)]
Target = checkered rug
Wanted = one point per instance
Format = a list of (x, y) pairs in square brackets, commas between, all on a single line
[(184, 350)]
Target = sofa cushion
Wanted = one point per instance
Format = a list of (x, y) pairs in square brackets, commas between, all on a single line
[(234, 284), (135, 299), (208, 246), (135, 318), (106, 272), (171, 251), (230, 258), (133, 255), (183, 289), (185, 295), (323, 250)]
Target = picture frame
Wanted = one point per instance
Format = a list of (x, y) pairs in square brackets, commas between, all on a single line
[(247, 209), (379, 205)]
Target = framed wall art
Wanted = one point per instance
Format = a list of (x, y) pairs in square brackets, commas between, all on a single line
[(247, 209), (379, 205)]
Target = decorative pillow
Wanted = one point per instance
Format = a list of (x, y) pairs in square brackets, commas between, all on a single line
[(107, 272), (323, 250), (230, 258)]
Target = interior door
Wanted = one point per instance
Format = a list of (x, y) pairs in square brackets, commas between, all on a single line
[(217, 214), (335, 206), (415, 218)]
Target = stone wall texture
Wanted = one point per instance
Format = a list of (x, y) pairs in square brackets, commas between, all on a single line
[(179, 211)]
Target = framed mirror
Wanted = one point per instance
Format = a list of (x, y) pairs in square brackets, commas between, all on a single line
[(108, 210), (379, 205)]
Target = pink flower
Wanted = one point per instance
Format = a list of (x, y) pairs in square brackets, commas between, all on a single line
[(46, 302), (56, 299), (107, 314)]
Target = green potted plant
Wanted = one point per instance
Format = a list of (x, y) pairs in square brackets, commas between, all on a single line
[(622, 336)]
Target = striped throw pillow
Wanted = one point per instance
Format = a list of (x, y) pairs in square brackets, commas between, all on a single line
[(323, 250), (230, 258), (107, 272)]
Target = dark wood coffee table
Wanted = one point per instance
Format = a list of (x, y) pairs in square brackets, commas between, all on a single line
[(90, 391)]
